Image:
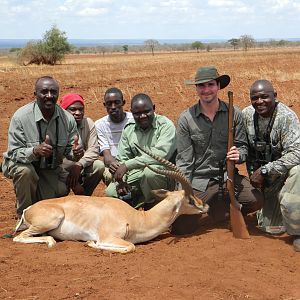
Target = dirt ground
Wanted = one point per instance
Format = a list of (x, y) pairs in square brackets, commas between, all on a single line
[(209, 264)]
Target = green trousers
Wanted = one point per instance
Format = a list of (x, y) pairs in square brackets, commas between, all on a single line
[(143, 181)]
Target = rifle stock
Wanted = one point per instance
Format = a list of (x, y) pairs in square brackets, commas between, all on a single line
[(237, 221)]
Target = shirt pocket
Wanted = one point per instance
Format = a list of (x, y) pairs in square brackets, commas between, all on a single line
[(200, 142), (223, 136)]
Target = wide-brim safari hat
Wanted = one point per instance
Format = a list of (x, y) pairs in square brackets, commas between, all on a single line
[(208, 73)]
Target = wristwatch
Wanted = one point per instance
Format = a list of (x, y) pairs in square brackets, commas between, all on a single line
[(263, 171)]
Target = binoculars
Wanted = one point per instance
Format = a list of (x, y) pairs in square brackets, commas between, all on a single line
[(49, 163)]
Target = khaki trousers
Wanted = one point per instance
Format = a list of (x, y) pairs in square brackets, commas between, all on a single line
[(32, 185), (90, 175)]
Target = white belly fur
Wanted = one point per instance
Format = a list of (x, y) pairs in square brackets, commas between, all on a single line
[(71, 231)]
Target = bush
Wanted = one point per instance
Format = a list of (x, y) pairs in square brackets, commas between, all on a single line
[(50, 50)]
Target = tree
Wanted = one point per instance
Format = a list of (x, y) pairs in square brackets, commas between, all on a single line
[(102, 49), (282, 43), (151, 44), (234, 43), (125, 48), (208, 47), (247, 41), (198, 45), (50, 50), (55, 45), (32, 53)]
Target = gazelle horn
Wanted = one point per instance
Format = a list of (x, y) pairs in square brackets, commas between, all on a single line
[(165, 162), (186, 185), (173, 171)]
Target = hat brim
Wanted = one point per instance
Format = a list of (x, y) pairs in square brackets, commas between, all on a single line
[(223, 79)]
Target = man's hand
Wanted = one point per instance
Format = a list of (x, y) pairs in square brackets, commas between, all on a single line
[(123, 188), (77, 149), (44, 149), (107, 157), (113, 167), (257, 180), (74, 175), (120, 172), (233, 154)]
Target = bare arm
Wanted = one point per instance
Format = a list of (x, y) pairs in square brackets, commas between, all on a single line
[(107, 157)]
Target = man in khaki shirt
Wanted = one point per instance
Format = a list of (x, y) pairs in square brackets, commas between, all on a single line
[(85, 174), (40, 135)]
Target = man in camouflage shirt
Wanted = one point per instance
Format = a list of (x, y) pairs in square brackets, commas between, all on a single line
[(273, 132)]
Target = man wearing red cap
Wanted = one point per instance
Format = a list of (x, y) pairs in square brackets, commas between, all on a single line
[(40, 135), (85, 174)]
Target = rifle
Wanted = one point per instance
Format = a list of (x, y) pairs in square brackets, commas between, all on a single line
[(237, 221)]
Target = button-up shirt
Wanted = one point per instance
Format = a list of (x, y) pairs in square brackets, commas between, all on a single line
[(28, 128), (202, 143), (159, 138)]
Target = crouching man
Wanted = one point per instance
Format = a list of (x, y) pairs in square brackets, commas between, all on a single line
[(157, 134), (40, 135), (85, 174), (273, 132)]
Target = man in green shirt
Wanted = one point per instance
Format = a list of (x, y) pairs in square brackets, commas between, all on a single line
[(157, 134), (40, 135)]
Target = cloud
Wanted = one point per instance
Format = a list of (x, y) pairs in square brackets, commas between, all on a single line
[(158, 19), (222, 3), (232, 5), (92, 12), (283, 5)]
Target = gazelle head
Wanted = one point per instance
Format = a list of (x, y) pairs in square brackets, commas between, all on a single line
[(190, 204)]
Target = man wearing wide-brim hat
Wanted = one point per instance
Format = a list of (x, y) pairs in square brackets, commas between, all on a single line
[(202, 132)]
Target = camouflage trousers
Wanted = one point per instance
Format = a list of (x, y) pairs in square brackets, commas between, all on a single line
[(281, 210)]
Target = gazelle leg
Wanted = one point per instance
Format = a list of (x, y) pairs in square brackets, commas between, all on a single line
[(40, 222), (27, 237), (112, 244)]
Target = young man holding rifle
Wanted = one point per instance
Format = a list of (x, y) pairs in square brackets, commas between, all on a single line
[(202, 134), (273, 132)]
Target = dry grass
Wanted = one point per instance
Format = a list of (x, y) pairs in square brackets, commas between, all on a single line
[(163, 75)]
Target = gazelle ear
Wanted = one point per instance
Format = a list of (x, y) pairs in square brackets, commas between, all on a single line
[(162, 194)]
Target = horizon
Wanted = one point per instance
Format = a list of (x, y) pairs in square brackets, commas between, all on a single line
[(20, 43)]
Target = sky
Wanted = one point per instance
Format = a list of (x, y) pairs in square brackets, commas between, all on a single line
[(151, 19)]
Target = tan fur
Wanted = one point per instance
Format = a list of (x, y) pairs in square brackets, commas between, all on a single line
[(103, 222)]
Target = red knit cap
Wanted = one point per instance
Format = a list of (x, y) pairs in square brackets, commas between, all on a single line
[(69, 99)]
